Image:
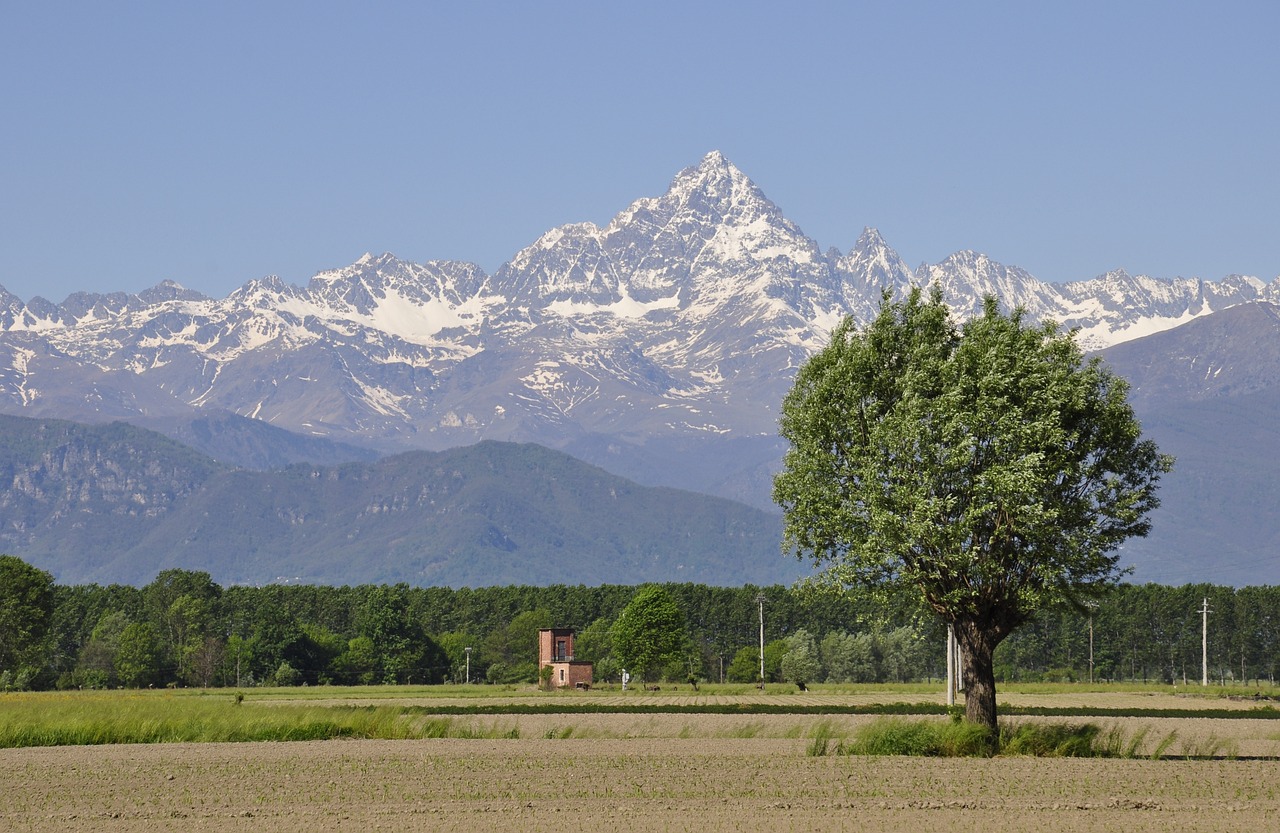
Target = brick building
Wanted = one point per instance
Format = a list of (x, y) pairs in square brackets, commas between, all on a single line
[(555, 649)]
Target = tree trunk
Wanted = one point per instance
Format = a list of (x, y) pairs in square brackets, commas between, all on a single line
[(977, 644)]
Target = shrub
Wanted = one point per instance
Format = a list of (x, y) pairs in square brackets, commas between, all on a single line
[(1052, 740), (287, 675), (894, 736)]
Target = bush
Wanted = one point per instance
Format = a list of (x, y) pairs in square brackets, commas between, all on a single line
[(1051, 740), (500, 673), (800, 663), (20, 681), (745, 666), (88, 678), (895, 736), (287, 675)]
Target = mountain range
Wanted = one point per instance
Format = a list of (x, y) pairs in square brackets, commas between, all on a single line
[(118, 503), (1208, 392), (658, 347)]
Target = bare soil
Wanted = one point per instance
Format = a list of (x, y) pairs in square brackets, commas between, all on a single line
[(617, 772)]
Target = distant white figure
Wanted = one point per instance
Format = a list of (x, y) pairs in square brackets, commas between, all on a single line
[(626, 678)]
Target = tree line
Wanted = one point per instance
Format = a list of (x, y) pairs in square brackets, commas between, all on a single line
[(183, 629)]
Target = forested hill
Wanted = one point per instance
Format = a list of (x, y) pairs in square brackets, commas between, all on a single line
[(116, 503)]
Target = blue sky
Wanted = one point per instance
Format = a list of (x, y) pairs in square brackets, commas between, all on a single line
[(214, 143)]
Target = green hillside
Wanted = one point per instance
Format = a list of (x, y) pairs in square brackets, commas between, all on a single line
[(117, 504)]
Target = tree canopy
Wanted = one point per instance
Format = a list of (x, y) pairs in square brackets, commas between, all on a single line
[(800, 663), (26, 607), (988, 467), (649, 633), (274, 635)]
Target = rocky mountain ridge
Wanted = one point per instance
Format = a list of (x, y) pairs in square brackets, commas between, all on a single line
[(117, 503), (683, 317)]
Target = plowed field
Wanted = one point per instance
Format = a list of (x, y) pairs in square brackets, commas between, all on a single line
[(630, 779)]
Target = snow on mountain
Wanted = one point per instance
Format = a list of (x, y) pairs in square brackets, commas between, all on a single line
[(966, 277), (870, 267), (683, 318), (1118, 307)]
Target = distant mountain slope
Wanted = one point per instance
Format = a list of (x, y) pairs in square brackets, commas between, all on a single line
[(116, 503), (252, 443), (1232, 353), (1209, 393), (74, 482)]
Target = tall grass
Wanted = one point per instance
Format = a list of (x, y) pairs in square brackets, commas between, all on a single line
[(90, 719), (898, 736), (820, 740)]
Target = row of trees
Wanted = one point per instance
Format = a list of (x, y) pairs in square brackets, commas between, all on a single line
[(184, 629)]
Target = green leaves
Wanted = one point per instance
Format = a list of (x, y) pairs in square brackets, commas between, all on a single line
[(984, 465), (26, 609), (989, 467), (649, 633)]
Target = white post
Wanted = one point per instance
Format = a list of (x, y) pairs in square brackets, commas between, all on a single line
[(951, 666), (468, 650), (1204, 643), (760, 600), (1090, 648)]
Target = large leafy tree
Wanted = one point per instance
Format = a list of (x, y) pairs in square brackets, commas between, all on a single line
[(137, 657), (181, 606), (988, 467), (390, 633), (26, 610), (649, 633), (800, 663)]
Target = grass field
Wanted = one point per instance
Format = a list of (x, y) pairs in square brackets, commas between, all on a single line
[(396, 765)]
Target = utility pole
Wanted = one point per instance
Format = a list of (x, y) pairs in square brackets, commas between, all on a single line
[(1092, 606), (1091, 647), (230, 633), (1204, 643), (951, 666), (468, 650), (760, 601)]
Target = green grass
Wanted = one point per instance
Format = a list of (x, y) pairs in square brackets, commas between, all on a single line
[(376, 692), (919, 738), (1054, 740), (820, 738), (956, 739), (887, 692), (97, 717), (90, 718)]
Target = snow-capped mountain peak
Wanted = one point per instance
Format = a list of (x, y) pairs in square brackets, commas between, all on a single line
[(685, 316), (870, 267)]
